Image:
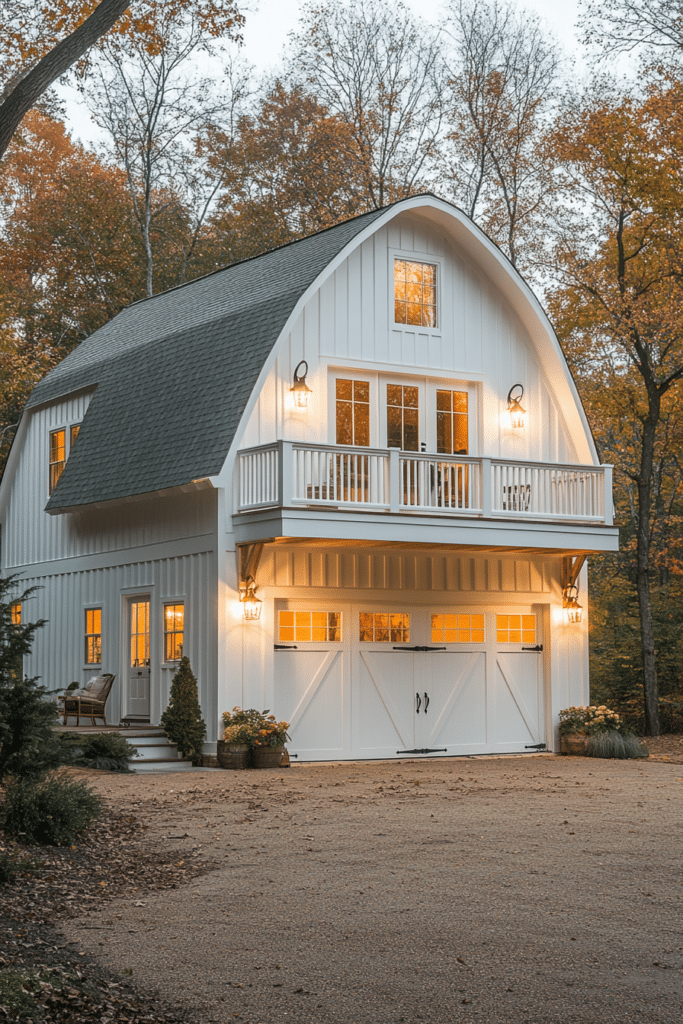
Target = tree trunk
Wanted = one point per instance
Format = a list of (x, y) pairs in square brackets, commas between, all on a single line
[(59, 59), (651, 696)]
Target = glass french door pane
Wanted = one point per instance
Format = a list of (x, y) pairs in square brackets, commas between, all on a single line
[(139, 633), (451, 422), (403, 418)]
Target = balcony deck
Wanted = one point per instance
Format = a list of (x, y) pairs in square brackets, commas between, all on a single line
[(363, 493)]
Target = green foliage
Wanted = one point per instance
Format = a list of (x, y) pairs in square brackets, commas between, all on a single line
[(28, 747), (49, 813), (182, 720), (11, 865), (255, 728), (107, 751), (614, 744), (16, 997)]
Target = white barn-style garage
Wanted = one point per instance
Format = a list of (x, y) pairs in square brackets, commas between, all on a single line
[(350, 478)]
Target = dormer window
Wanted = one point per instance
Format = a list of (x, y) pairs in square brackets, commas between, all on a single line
[(57, 456), (414, 293)]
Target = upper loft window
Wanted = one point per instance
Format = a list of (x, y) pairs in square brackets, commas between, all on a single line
[(75, 427), (57, 456), (415, 293)]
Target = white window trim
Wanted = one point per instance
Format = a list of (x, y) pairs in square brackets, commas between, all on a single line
[(171, 600), (91, 606), (416, 257)]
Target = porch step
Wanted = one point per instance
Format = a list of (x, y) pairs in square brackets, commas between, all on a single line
[(154, 750)]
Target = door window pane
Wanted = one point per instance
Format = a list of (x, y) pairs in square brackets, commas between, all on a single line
[(139, 633), (414, 293), (353, 412), (451, 422), (516, 629), (402, 418), (309, 627), (458, 629), (384, 627)]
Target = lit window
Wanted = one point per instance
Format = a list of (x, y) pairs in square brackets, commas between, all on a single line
[(15, 613), (402, 418), (139, 633), (309, 627), (516, 629), (382, 628), (414, 293), (93, 636), (451, 422), (57, 456), (174, 625), (74, 434), (458, 629), (353, 412)]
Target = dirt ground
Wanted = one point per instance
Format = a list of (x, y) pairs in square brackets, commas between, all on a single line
[(505, 890)]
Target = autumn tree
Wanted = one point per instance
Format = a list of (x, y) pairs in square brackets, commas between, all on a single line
[(620, 266), (503, 77), (376, 70)]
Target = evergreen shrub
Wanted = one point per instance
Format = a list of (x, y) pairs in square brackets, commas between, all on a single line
[(182, 720), (106, 751), (50, 812)]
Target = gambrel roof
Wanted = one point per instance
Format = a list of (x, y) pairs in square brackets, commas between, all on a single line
[(173, 373)]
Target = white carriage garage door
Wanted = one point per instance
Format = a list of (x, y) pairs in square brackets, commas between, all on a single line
[(363, 682)]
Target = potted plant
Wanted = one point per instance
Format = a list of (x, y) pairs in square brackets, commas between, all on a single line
[(597, 732), (269, 745), (239, 736)]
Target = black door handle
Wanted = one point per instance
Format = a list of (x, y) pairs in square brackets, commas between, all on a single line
[(426, 702), (419, 703)]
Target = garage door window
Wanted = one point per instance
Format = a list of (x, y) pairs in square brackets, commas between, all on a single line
[(309, 627), (383, 628), (458, 629), (516, 629)]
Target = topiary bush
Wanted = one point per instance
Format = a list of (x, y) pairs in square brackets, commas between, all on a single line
[(182, 720), (106, 751), (49, 813), (614, 744)]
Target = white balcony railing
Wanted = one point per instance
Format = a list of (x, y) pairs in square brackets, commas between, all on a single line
[(289, 473)]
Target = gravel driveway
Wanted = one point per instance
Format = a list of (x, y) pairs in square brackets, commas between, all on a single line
[(504, 890)]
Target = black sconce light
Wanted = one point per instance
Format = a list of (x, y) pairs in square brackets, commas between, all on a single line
[(301, 390), (517, 412)]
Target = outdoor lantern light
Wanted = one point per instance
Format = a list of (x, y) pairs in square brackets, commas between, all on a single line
[(251, 605), (517, 413), (573, 609), (301, 390)]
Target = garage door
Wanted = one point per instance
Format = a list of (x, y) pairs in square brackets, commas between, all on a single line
[(421, 682)]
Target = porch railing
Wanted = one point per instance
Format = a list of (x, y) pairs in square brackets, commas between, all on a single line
[(291, 473)]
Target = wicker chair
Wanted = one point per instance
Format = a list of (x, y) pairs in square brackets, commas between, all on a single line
[(80, 702)]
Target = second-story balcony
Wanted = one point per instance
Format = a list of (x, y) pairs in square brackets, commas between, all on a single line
[(334, 484)]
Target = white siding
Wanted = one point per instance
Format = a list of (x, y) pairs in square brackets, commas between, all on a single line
[(349, 321)]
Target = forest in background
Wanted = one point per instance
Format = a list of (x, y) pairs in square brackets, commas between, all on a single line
[(205, 163)]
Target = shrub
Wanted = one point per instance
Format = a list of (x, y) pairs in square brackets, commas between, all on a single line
[(592, 720), (11, 865), (613, 744), (182, 720), (107, 751), (49, 813)]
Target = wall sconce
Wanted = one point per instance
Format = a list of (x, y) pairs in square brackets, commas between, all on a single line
[(301, 390), (570, 600), (251, 604), (517, 413)]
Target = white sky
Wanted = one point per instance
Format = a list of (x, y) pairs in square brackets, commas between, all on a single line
[(268, 23)]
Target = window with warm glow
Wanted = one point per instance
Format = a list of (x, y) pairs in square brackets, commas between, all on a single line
[(174, 625), (74, 434), (57, 456), (139, 633), (414, 293), (93, 636), (451, 422), (15, 613), (383, 628), (516, 629), (309, 627), (403, 418), (353, 412), (458, 629)]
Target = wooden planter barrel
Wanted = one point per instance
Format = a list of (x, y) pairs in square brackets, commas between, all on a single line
[(233, 755), (267, 757), (574, 743)]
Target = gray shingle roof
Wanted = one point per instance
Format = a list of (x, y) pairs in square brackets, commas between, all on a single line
[(174, 373)]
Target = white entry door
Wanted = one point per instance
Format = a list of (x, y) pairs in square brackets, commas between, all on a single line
[(137, 697), (517, 714)]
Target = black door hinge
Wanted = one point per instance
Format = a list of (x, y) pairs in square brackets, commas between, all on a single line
[(411, 649), (425, 750), (538, 647), (535, 746), (285, 647)]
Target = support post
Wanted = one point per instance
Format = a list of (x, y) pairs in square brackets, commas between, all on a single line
[(394, 479), (286, 473), (607, 495), (486, 488)]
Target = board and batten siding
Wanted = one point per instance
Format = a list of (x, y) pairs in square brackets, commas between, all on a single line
[(349, 322), (30, 536), (58, 650)]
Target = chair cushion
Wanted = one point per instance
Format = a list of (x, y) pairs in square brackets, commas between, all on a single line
[(95, 686)]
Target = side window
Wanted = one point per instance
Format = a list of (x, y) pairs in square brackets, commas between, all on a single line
[(452, 422), (15, 613), (403, 418), (353, 412), (57, 456), (174, 628), (75, 427), (516, 629), (93, 636), (415, 293)]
